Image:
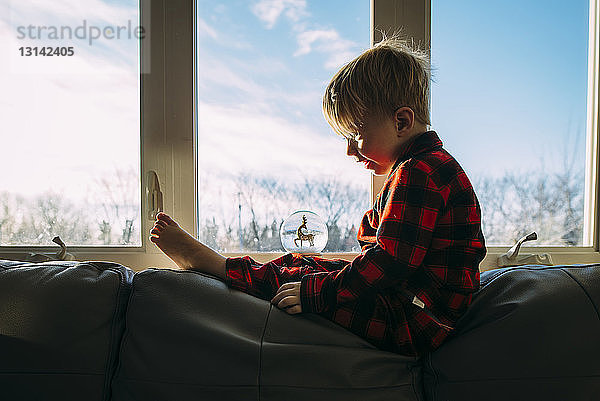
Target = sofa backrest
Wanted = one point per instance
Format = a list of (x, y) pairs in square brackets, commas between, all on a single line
[(532, 333), (189, 337), (60, 328)]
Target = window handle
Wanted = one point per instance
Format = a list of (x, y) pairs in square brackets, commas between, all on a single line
[(512, 257), (46, 257), (155, 196)]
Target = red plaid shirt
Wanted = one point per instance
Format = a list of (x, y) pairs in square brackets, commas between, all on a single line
[(419, 266)]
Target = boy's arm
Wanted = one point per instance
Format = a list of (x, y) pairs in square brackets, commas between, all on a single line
[(407, 220)]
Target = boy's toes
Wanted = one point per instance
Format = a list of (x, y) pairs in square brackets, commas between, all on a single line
[(166, 218)]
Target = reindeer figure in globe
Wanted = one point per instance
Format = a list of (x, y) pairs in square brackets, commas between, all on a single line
[(300, 236)]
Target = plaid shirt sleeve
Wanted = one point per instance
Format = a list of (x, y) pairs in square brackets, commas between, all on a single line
[(409, 206), (263, 280)]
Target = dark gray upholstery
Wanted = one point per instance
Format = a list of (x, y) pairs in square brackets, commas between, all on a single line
[(95, 331), (60, 329), (306, 357), (189, 337), (532, 333)]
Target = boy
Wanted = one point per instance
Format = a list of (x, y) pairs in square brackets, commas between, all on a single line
[(421, 243)]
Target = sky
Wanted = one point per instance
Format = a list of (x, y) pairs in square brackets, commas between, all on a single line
[(69, 120), (509, 90), (510, 82), (262, 68)]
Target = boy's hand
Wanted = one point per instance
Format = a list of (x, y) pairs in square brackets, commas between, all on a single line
[(288, 298)]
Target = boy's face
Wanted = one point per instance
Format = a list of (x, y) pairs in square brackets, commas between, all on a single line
[(381, 140), (376, 145)]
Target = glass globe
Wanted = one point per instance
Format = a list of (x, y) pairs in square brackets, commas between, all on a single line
[(303, 232)]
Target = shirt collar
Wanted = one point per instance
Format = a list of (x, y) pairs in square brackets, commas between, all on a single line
[(425, 142)]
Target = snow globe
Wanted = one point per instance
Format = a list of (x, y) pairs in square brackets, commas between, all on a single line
[(303, 232)]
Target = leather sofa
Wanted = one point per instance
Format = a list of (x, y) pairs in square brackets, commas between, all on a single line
[(99, 331)]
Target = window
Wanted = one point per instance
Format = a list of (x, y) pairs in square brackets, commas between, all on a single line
[(264, 147), (167, 96), (70, 110), (509, 98)]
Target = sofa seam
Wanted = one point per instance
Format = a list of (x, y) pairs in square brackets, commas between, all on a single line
[(260, 351), (108, 379), (587, 294), (414, 381), (123, 341), (109, 376), (434, 374)]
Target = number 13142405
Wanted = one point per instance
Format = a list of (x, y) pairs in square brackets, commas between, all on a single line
[(47, 51)]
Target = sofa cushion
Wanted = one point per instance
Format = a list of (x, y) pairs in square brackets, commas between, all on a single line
[(60, 329), (189, 337), (308, 358), (532, 333)]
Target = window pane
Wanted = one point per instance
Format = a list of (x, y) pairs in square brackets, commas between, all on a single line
[(264, 147), (70, 123), (509, 101)]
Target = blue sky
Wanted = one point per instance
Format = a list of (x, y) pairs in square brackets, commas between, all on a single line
[(267, 53), (510, 77)]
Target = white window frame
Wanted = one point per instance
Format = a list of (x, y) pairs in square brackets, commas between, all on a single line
[(169, 131)]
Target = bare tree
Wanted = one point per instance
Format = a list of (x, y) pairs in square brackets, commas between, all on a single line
[(265, 201), (118, 198)]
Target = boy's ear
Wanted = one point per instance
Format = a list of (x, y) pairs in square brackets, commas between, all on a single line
[(404, 117)]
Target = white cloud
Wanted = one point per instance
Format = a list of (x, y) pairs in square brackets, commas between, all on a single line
[(269, 11), (328, 42), (206, 29), (235, 140), (239, 81), (223, 37), (220, 73)]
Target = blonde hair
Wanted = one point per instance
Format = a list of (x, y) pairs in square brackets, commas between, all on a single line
[(390, 75)]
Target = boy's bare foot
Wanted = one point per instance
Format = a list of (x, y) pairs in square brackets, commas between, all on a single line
[(175, 242)]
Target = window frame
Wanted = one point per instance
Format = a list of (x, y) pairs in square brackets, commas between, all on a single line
[(168, 130)]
